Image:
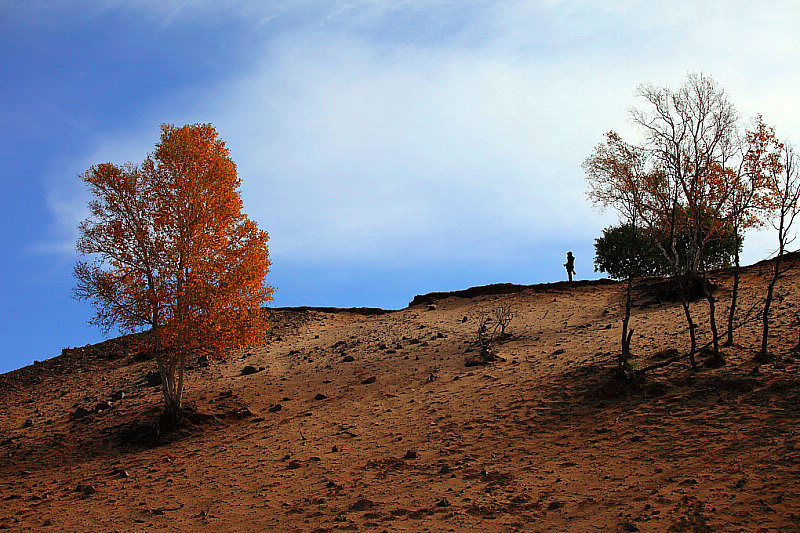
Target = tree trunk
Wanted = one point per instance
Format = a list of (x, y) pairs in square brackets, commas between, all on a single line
[(172, 378), (167, 371), (179, 388), (797, 347), (689, 321), (168, 387), (734, 300), (625, 352), (762, 355), (716, 359)]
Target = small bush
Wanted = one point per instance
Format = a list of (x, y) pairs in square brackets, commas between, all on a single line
[(492, 326)]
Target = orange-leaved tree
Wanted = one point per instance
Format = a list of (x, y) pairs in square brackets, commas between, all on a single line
[(617, 174), (783, 180), (750, 199), (169, 249)]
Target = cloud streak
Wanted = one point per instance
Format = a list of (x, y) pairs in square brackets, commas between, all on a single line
[(412, 134)]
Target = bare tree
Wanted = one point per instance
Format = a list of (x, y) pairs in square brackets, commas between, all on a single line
[(485, 335), (691, 136), (491, 327), (503, 315), (784, 183)]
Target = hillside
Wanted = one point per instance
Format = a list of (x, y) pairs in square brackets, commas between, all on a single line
[(365, 420)]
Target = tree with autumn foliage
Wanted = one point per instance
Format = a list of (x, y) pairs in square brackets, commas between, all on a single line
[(748, 204), (693, 168), (615, 172), (691, 137), (782, 172), (169, 249)]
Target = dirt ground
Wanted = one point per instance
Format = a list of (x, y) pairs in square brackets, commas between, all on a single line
[(373, 422)]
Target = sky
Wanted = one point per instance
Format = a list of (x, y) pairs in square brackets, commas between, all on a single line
[(389, 148)]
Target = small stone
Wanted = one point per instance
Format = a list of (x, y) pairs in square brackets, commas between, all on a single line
[(275, 408), (443, 503), (320, 396), (628, 526), (79, 413), (362, 505), (335, 449), (552, 506), (559, 351), (369, 380), (89, 489), (410, 454), (348, 359), (294, 464), (153, 378), (445, 469), (117, 396), (102, 406), (250, 369), (242, 412)]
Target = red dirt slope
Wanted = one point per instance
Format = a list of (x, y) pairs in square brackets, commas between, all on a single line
[(381, 427)]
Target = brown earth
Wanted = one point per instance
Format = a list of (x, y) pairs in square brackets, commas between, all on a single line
[(544, 440)]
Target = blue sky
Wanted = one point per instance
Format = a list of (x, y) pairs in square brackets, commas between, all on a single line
[(390, 148)]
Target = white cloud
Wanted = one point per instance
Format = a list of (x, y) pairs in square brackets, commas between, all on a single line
[(356, 146)]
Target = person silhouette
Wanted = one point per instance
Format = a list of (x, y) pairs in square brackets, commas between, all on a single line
[(570, 265)]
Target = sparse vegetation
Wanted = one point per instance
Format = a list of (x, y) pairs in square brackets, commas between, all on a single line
[(492, 327), (503, 314), (689, 189)]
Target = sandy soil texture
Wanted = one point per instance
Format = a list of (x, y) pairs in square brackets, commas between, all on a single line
[(372, 422)]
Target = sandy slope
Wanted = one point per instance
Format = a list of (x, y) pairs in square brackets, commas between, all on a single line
[(536, 443)]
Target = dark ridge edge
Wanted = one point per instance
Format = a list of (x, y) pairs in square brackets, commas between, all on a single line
[(506, 288), (354, 310)]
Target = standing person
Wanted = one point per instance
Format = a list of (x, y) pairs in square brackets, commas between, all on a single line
[(570, 265)]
